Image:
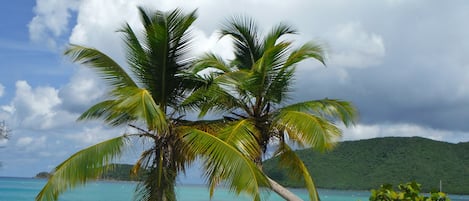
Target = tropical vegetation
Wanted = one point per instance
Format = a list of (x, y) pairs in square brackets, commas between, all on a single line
[(366, 164), (408, 191), (145, 96), (118, 172), (252, 90)]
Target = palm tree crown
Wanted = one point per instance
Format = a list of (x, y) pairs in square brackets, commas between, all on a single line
[(251, 91), (146, 99)]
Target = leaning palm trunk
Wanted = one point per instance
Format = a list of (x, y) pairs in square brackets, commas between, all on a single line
[(282, 191)]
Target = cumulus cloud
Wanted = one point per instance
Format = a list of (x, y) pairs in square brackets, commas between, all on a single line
[(353, 46), (35, 107), (29, 144), (92, 135), (24, 141), (83, 90), (97, 27), (212, 43), (51, 20), (364, 131), (404, 65)]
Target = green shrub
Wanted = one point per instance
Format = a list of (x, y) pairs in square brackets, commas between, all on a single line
[(407, 192)]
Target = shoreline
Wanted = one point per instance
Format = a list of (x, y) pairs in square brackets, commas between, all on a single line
[(203, 185)]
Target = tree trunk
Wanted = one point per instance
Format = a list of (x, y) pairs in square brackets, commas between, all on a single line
[(282, 191)]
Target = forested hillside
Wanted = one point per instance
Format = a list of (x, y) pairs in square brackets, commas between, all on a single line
[(120, 172), (366, 164)]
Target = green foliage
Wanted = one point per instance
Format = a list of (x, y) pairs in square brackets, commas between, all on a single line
[(365, 164), (43, 175), (146, 95), (122, 172), (406, 192), (119, 172), (83, 166), (251, 91)]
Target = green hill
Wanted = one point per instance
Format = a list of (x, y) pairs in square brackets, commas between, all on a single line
[(120, 172), (366, 164)]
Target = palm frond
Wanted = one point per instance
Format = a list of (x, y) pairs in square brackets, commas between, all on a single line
[(308, 129), (209, 126), (276, 33), (224, 163), (160, 57), (244, 32), (136, 54), (243, 135), (308, 50), (217, 96), (108, 111), (267, 68), (328, 108), (81, 167), (296, 169), (139, 104), (114, 74), (210, 60)]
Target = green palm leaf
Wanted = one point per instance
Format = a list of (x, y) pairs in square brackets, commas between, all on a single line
[(308, 50), (108, 68), (308, 129), (327, 108), (87, 164), (276, 33), (139, 104), (226, 163), (296, 168), (244, 32), (109, 112), (242, 135), (210, 60)]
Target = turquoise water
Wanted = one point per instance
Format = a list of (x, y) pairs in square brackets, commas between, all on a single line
[(25, 189)]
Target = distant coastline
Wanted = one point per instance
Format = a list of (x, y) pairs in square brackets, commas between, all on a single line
[(369, 163), (366, 164)]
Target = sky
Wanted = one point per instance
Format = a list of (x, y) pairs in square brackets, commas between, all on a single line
[(403, 63)]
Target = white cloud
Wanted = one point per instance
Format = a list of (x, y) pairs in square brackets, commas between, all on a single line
[(353, 46), (359, 36), (96, 27), (92, 135), (203, 44), (24, 141), (51, 20), (83, 90), (30, 144), (362, 131), (35, 108)]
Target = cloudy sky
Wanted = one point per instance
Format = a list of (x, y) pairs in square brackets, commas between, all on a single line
[(403, 63)]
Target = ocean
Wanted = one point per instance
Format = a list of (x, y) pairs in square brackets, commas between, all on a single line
[(25, 189)]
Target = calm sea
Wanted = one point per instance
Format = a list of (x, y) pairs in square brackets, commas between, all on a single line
[(25, 189)]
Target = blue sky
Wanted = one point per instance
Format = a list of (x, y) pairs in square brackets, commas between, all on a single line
[(404, 64)]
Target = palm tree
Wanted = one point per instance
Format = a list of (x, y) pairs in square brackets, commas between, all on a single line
[(147, 100), (251, 91)]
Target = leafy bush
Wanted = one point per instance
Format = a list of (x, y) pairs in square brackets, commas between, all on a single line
[(407, 192)]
